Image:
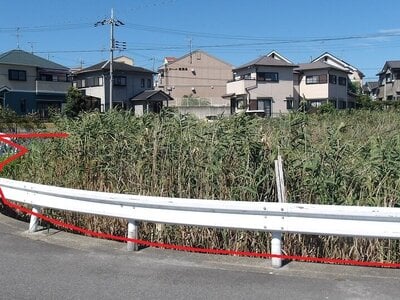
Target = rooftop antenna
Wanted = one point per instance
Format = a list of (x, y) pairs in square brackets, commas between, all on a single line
[(31, 44), (81, 62), (18, 36), (190, 50)]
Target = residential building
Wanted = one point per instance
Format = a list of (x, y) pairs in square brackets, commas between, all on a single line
[(195, 79), (32, 84), (263, 86), (319, 82), (389, 81), (128, 81), (371, 88), (354, 74), (150, 101)]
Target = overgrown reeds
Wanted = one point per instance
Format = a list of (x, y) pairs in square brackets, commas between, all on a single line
[(349, 158)]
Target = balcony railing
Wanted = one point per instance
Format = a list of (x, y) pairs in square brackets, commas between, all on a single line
[(52, 86), (239, 86)]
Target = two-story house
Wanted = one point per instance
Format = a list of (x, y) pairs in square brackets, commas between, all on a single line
[(263, 86), (371, 89), (29, 83), (195, 79), (354, 74), (128, 82), (319, 82), (389, 81)]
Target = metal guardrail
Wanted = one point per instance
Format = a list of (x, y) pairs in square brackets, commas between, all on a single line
[(378, 222)]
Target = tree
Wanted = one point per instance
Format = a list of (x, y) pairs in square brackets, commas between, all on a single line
[(76, 102)]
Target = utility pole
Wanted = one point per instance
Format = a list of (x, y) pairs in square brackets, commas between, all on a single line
[(112, 22)]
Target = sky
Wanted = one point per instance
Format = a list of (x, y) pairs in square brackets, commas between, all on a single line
[(363, 33)]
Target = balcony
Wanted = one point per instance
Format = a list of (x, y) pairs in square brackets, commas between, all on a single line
[(60, 87), (239, 87)]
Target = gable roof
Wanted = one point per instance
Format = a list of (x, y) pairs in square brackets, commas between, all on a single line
[(117, 66), (266, 61), (390, 64), (152, 95), (370, 86), (174, 60), (23, 58), (339, 61), (274, 54), (318, 65)]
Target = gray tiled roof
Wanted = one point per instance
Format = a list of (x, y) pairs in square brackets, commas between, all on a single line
[(117, 66), (155, 95), (373, 84), (394, 64), (23, 58), (266, 61), (390, 64), (370, 85), (318, 65)]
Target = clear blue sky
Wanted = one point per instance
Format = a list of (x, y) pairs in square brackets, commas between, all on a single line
[(363, 33)]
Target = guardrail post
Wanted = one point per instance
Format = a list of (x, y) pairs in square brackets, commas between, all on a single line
[(132, 234), (34, 221), (276, 249)]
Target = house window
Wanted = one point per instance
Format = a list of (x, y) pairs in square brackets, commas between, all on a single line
[(389, 97), (316, 79), (90, 81), (332, 79), (142, 82), (388, 78), (342, 80), (265, 104), (98, 81), (120, 80), (240, 103), (149, 83), (46, 77), (19, 75), (268, 76)]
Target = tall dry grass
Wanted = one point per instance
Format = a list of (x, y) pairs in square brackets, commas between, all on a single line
[(349, 158)]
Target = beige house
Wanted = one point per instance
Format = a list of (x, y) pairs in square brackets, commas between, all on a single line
[(354, 74), (195, 79), (389, 81), (263, 86), (319, 82)]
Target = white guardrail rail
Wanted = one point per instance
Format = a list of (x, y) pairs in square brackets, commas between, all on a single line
[(378, 222)]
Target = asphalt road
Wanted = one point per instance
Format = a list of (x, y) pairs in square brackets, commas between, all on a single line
[(58, 265)]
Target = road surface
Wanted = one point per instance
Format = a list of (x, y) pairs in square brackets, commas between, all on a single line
[(59, 265)]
